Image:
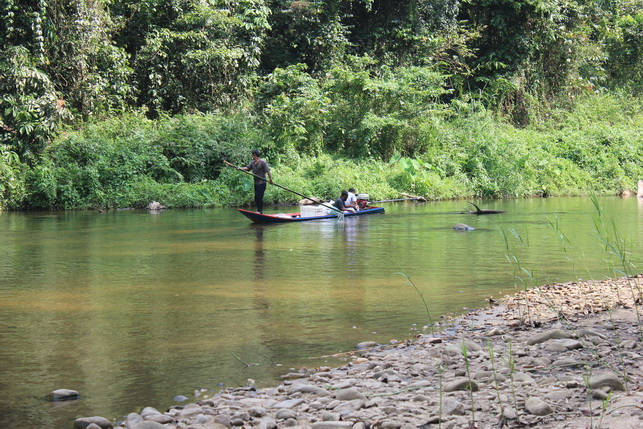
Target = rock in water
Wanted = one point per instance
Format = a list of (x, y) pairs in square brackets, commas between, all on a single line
[(463, 227), (155, 205), (63, 395)]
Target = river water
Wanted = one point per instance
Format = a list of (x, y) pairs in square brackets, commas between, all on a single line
[(132, 308)]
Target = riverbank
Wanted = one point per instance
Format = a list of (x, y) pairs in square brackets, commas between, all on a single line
[(557, 356)]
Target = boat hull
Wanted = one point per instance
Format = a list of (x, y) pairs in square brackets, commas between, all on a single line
[(295, 217)]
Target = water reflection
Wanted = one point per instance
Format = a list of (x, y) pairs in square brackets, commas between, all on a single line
[(259, 252)]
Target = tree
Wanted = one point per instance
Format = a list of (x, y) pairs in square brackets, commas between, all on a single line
[(192, 54), (87, 67), (29, 108)]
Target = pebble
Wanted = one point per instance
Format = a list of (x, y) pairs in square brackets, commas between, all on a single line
[(332, 425), (149, 425), (101, 422), (607, 379), (549, 335), (349, 395), (132, 420), (461, 384), (538, 407)]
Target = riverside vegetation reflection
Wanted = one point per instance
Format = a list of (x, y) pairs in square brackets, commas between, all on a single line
[(132, 309)]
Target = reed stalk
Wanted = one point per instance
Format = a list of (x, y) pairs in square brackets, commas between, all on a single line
[(419, 292), (465, 353)]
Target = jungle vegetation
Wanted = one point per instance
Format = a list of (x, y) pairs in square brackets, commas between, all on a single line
[(115, 103)]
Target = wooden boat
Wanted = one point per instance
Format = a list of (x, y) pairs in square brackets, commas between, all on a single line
[(296, 217)]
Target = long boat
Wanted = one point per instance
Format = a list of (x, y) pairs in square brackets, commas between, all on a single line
[(296, 217)]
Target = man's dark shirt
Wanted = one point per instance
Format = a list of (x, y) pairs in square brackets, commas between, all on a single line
[(259, 169)]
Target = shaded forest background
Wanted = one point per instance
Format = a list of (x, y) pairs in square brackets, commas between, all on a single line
[(114, 103)]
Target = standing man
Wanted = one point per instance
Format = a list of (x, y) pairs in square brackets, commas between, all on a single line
[(259, 167)]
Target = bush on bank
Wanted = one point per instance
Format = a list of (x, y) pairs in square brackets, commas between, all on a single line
[(130, 161)]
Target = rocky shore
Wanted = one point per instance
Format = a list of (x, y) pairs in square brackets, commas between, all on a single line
[(557, 356)]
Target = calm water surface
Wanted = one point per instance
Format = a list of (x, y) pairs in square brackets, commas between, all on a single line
[(131, 308)]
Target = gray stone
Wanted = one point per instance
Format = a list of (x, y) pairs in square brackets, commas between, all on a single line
[(222, 420), (549, 335), (132, 420), (452, 351), (332, 425), (330, 417), (290, 423), (149, 425), (461, 384), (350, 394), (288, 403), (308, 388), (150, 411), (521, 377), (629, 344), (495, 331), (509, 414), (600, 395), (159, 418), (243, 415), (63, 395), (570, 344), (452, 407), (202, 419), (257, 411), (285, 414), (589, 333), (607, 379), (93, 426), (555, 347), (472, 346), (83, 422), (558, 395), (332, 404), (267, 423), (566, 362), (538, 407)]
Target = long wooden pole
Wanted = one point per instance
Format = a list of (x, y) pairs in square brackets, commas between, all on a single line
[(282, 187), (395, 200)]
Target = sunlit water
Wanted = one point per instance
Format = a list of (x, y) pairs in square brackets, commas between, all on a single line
[(131, 308)]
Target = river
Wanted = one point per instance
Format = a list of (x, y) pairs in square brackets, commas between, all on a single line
[(131, 308)]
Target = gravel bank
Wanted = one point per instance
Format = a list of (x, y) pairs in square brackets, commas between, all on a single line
[(558, 356)]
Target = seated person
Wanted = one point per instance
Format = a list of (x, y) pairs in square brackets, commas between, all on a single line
[(351, 201), (340, 203)]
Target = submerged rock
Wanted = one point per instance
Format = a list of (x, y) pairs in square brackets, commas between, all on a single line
[(63, 395)]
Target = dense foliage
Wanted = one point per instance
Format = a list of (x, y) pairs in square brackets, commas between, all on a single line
[(114, 103)]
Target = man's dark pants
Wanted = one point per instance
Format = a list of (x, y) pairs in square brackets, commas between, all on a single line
[(259, 191)]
